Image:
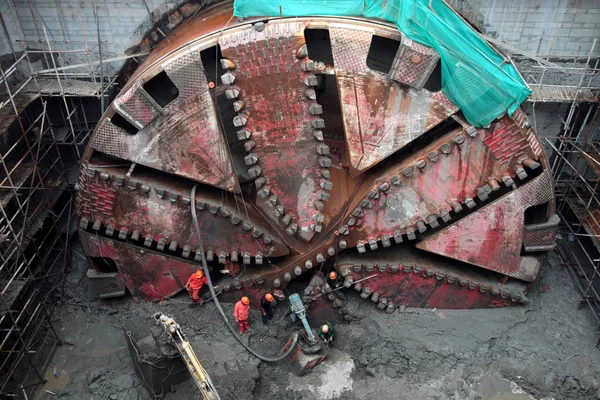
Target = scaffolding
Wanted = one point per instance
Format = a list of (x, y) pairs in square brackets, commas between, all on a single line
[(47, 114), (574, 156), (46, 118)]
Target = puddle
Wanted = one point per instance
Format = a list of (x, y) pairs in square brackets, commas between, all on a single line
[(492, 387), (327, 380), (57, 379)]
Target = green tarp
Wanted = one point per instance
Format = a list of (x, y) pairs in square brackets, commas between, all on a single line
[(474, 76)]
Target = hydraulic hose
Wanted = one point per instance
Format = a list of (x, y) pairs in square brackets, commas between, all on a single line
[(196, 227)]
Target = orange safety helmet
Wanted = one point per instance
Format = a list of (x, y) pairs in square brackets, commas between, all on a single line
[(332, 275), (325, 328), (245, 300), (199, 273), (269, 297)]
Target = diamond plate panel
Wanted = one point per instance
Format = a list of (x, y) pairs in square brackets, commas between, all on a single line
[(350, 47), (187, 74), (413, 63), (136, 106), (96, 246), (111, 139), (541, 237), (509, 142), (107, 285)]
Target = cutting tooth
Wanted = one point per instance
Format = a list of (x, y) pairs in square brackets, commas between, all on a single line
[(360, 246), (521, 173), (222, 257), (315, 109), (238, 105), (210, 255), (311, 80), (456, 206), (310, 93), (243, 134), (251, 159), (323, 149), (232, 93), (240, 120), (494, 185), (318, 123), (302, 51), (373, 244), (531, 164), (255, 171), (227, 78), (227, 64), (325, 162), (259, 182), (307, 66)]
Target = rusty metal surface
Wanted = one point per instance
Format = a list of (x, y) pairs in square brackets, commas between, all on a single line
[(541, 237), (420, 193), (184, 139), (157, 215), (490, 237), (135, 106), (417, 279), (279, 120), (316, 193), (145, 273), (380, 115), (413, 63)]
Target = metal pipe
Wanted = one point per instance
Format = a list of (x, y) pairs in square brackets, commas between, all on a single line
[(197, 232), (100, 55)]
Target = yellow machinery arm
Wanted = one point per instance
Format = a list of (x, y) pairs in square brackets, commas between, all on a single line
[(184, 347)]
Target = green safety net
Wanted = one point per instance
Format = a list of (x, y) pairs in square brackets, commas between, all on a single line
[(474, 76)]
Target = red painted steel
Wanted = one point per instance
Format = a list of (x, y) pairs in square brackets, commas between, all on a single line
[(280, 119), (422, 190), (185, 140), (160, 211), (395, 170), (483, 239), (380, 115), (415, 279)]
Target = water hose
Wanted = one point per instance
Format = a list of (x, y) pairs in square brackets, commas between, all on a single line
[(196, 227)]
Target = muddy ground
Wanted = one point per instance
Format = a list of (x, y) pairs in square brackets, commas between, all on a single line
[(541, 350)]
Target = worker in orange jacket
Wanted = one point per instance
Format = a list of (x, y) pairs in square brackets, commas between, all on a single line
[(195, 283), (241, 313)]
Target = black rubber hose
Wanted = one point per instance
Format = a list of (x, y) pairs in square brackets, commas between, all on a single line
[(196, 227)]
